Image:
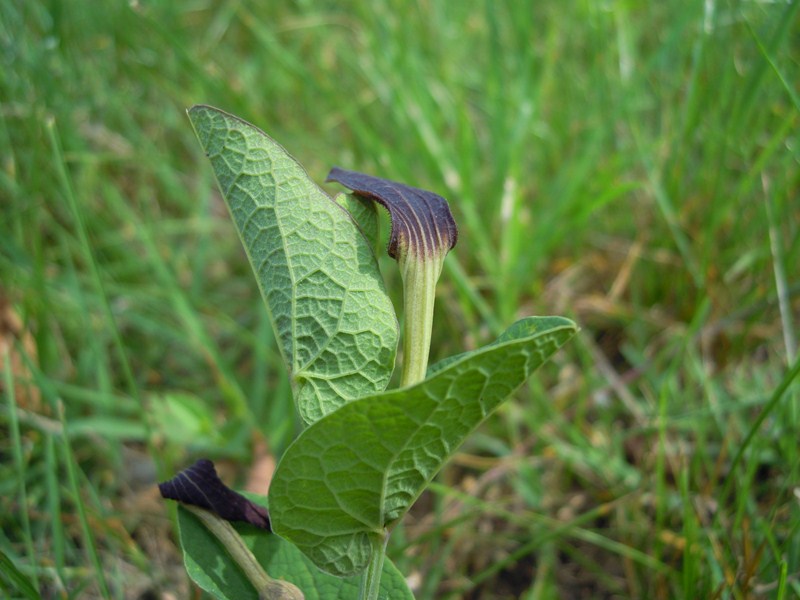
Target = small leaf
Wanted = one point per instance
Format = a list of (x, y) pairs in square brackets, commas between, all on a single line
[(316, 271), (200, 485), (359, 469), (210, 567), (185, 421), (422, 223)]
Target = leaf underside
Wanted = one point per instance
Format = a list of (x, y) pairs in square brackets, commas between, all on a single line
[(359, 469), (211, 568), (316, 271), (364, 214)]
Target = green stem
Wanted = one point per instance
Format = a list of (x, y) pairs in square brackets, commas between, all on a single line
[(267, 588), (420, 274), (371, 582)]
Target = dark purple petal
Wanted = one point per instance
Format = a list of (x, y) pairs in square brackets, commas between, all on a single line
[(421, 220), (200, 485)]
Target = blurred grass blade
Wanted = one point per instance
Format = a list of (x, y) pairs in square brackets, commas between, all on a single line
[(88, 255), (54, 507), (87, 532), (17, 579), (16, 449), (777, 394)]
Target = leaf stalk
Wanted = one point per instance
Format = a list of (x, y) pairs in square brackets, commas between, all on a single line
[(371, 581), (267, 587)]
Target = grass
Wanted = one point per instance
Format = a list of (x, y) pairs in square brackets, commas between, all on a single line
[(631, 165)]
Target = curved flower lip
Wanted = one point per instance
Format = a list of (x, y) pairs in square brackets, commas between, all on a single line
[(422, 223), (199, 485)]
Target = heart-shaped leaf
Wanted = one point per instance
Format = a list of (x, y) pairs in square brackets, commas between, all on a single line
[(316, 271), (354, 473), (211, 568)]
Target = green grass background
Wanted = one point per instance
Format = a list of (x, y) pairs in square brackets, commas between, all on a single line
[(630, 164)]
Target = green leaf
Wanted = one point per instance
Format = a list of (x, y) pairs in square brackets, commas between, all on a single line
[(316, 270), (210, 567), (184, 420), (364, 214), (358, 470)]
